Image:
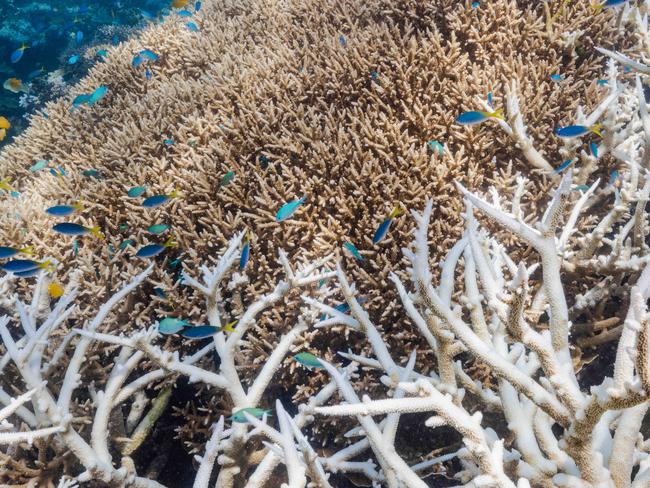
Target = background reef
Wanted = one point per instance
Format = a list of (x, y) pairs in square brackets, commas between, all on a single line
[(332, 99)]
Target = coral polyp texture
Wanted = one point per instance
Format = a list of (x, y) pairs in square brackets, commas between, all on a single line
[(214, 168)]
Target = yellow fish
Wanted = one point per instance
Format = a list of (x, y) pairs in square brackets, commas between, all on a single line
[(4, 125), (179, 3), (55, 290), (15, 85)]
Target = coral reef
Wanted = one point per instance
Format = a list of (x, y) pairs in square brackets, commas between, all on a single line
[(337, 101)]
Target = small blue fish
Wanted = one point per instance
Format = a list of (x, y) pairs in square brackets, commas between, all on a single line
[(353, 250), (577, 131), (197, 6), (137, 61), (97, 95), (581, 188), (308, 360), (602, 82), (160, 293), (342, 41), (169, 142), (245, 253), (288, 209), (613, 177), (22, 265), (80, 100), (75, 248), (92, 173), (227, 178), (102, 53), (199, 332), (72, 229), (150, 55), (124, 244), (471, 118), (192, 26), (383, 228), (556, 77), (264, 161), (563, 166), (435, 146), (170, 325), (64, 210), (153, 250), (7, 252), (158, 229), (136, 191), (184, 13), (79, 36), (39, 165), (374, 76), (594, 149), (73, 59), (240, 417), (148, 74), (489, 100), (344, 307), (158, 200), (36, 73), (476, 5), (17, 55), (60, 172)]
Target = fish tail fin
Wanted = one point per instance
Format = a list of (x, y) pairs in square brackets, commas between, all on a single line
[(395, 212), (175, 193), (47, 265), (597, 6), (230, 327), (170, 242), (78, 206), (27, 250), (96, 231), (498, 114), (596, 129)]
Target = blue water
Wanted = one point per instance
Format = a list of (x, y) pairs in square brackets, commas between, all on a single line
[(55, 31)]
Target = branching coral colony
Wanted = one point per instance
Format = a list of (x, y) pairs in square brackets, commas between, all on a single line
[(513, 317)]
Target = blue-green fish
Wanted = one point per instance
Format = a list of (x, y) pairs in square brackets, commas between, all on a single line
[(39, 165), (73, 59), (158, 200), (383, 228), (152, 250), (577, 131), (158, 228), (353, 250), (17, 55), (149, 54), (97, 95), (239, 416), (192, 26), (80, 100), (92, 173), (227, 178), (7, 252), (124, 244), (556, 77), (172, 325), (21, 265), (288, 209), (136, 191), (245, 253), (563, 166), (64, 210), (199, 332), (102, 53), (471, 118), (594, 149), (71, 229), (308, 360), (435, 146)]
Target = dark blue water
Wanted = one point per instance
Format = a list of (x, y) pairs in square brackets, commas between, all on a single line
[(54, 31)]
